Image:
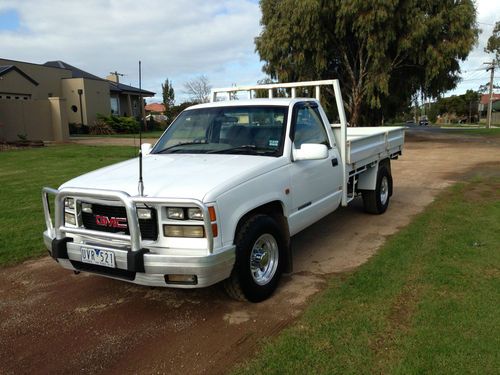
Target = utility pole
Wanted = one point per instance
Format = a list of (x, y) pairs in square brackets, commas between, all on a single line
[(490, 101)]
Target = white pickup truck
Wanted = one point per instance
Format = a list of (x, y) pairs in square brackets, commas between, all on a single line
[(225, 188)]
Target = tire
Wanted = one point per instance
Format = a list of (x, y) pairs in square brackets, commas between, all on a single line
[(259, 257), (376, 201)]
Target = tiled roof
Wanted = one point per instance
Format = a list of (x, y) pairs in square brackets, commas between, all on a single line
[(113, 86), (76, 73), (485, 98), (120, 87), (155, 107)]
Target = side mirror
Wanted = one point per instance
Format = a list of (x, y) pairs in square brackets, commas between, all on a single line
[(310, 151), (146, 149)]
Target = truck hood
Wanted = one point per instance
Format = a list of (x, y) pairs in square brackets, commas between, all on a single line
[(178, 175)]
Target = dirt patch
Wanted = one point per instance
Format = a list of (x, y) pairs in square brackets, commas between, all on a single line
[(111, 141), (52, 321), (20, 145)]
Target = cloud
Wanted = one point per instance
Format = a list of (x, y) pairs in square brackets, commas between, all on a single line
[(178, 40), (474, 71), (174, 39)]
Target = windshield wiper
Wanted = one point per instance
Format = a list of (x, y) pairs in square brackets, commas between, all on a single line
[(252, 148), (179, 144)]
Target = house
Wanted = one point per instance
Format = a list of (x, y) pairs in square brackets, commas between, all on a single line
[(39, 100), (156, 112), (125, 99), (155, 108), (485, 99)]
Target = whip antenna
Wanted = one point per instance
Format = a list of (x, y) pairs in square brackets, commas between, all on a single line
[(141, 184)]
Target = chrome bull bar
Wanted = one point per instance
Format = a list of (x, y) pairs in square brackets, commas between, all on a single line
[(59, 230)]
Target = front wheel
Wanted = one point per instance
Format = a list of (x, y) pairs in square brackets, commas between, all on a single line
[(257, 268)]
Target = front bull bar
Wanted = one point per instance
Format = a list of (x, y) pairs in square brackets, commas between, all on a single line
[(58, 230)]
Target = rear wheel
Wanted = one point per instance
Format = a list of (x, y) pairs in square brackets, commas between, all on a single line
[(376, 201), (257, 268)]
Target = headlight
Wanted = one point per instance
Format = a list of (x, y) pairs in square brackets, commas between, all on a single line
[(144, 213), (69, 203), (87, 208), (175, 213), (69, 218), (191, 231), (195, 214)]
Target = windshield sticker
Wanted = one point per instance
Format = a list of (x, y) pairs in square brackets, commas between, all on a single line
[(273, 142)]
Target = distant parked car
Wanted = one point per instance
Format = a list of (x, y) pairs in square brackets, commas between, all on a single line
[(424, 121)]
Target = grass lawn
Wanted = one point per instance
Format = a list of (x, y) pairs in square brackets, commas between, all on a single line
[(492, 132), (23, 174), (427, 303), (153, 134)]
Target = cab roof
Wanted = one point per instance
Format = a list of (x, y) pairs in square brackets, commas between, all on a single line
[(285, 102)]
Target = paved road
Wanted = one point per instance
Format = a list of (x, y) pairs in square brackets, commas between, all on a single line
[(52, 321)]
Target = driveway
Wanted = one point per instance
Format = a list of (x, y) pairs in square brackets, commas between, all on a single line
[(52, 321)]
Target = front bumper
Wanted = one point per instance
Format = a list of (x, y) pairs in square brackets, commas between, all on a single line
[(133, 262)]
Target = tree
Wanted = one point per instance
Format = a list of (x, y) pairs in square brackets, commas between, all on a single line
[(177, 109), (459, 106), (168, 97), (493, 45), (198, 89), (382, 52), (277, 93)]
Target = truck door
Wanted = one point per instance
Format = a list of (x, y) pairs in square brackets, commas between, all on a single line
[(315, 184)]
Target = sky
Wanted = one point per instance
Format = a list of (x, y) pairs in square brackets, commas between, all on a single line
[(178, 40)]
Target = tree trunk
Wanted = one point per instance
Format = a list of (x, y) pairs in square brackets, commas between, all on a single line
[(355, 108)]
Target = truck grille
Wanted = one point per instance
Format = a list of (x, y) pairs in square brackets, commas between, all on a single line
[(149, 227)]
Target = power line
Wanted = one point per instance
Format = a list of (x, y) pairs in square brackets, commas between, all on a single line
[(478, 78), (475, 75), (473, 70)]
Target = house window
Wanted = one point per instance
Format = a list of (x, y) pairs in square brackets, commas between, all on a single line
[(115, 108)]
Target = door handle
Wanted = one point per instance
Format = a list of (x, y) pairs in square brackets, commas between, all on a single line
[(335, 162)]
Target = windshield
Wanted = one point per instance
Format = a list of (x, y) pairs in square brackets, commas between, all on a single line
[(250, 130)]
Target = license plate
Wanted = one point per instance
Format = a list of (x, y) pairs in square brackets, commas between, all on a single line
[(99, 257)]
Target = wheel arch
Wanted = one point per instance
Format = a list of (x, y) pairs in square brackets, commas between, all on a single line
[(276, 210)]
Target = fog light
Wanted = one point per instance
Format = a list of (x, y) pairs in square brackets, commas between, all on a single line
[(181, 279), (144, 213), (176, 213), (195, 213), (87, 208), (69, 203), (69, 218), (191, 231)]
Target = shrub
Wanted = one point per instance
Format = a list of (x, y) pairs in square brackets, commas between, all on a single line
[(120, 124), (100, 128)]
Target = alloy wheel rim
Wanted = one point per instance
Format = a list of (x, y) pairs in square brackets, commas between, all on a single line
[(264, 259), (384, 190)]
